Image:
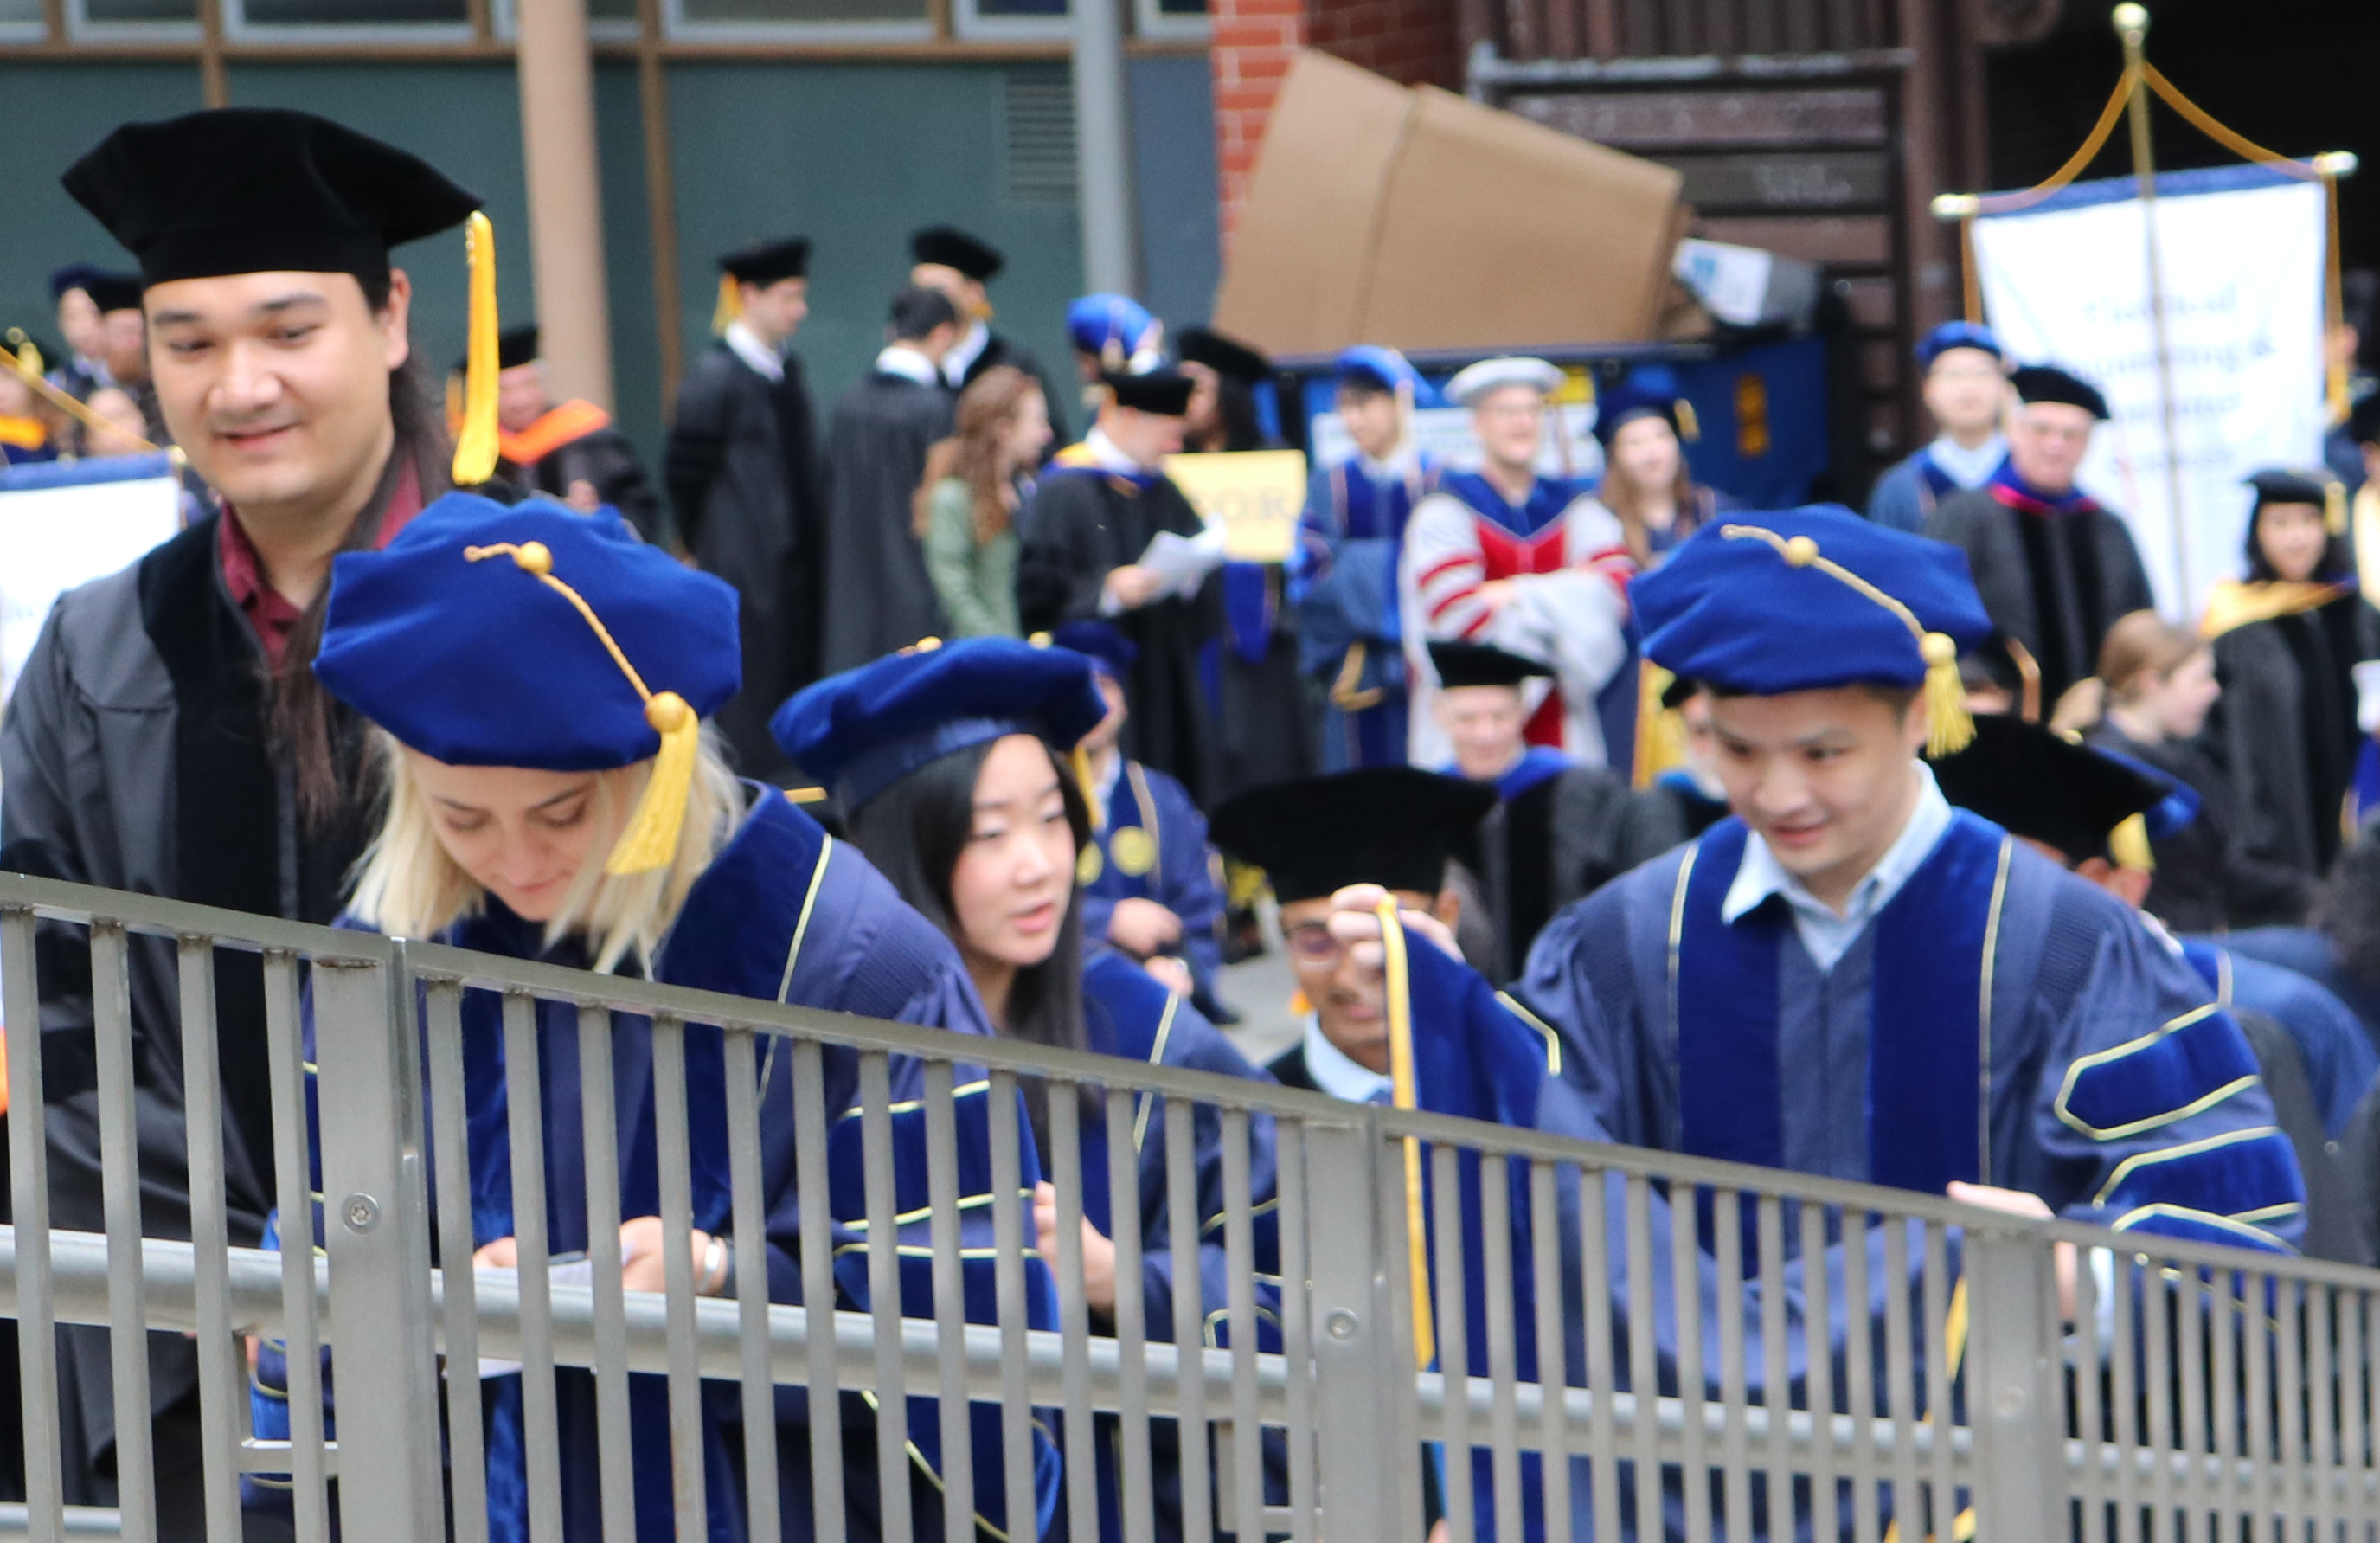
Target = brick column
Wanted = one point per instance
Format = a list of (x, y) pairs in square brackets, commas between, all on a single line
[(1254, 41)]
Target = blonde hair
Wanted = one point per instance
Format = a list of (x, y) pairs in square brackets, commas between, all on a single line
[(406, 886)]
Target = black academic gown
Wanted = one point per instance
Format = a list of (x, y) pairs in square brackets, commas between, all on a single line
[(744, 482), (2285, 727), (2208, 879), (605, 459), (878, 598), (2054, 574), (1000, 349), (1080, 525)]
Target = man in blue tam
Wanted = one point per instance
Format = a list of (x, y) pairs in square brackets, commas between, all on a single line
[(1344, 580), (1823, 983), (540, 680), (1147, 876), (1966, 391)]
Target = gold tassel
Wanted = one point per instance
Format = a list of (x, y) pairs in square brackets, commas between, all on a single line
[(475, 447), (1080, 760), (1660, 731), (2129, 843), (1401, 1078), (650, 839), (454, 405), (1689, 423), (2334, 506), (729, 307), (1950, 729)]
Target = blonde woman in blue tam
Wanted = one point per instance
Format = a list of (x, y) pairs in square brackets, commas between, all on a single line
[(539, 682)]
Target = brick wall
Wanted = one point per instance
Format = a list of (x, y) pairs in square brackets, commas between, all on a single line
[(1408, 40)]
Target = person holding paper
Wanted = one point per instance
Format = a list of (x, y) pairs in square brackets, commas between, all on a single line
[(1108, 535), (1966, 392), (1532, 564)]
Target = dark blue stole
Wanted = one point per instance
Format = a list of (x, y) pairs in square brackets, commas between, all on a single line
[(1376, 508), (1549, 496), (1128, 809), (1929, 1033)]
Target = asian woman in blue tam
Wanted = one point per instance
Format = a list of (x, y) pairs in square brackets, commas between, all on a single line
[(951, 765), (540, 680)]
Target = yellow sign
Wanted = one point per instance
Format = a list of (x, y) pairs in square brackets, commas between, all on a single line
[(1254, 494)]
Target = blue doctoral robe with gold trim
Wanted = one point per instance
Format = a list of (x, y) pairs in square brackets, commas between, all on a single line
[(1344, 585), (784, 913), (1166, 859)]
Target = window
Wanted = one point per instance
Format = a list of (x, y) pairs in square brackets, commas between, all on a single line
[(161, 18), (856, 20), (344, 20), (1179, 20)]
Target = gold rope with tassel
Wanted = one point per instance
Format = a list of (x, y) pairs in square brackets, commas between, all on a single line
[(1948, 729), (475, 447), (729, 310), (650, 838), (1401, 1077), (1660, 729), (2129, 845)]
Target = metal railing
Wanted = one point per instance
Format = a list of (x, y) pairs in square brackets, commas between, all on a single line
[(1624, 1343)]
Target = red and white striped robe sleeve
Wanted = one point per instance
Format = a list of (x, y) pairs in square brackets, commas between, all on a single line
[(1442, 569)]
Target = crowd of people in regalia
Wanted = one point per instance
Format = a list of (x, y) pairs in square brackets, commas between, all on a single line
[(1915, 848)]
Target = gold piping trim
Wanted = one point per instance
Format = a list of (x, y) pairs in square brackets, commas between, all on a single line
[(2212, 1219), (1156, 1058), (1220, 1217), (1147, 803), (1678, 932), (2223, 979), (911, 1106), (1991, 958), (2269, 1213), (2132, 1047), (901, 1219), (802, 927), (918, 1458), (2138, 1161), (1553, 1040)]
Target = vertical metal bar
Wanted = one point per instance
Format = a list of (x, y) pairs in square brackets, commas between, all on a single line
[(1685, 1295), (1553, 1368), (1899, 1374), (301, 1337), (2231, 1335), (2158, 1393), (1768, 1222), (1395, 1312), (1136, 1498), (377, 1226), (1602, 1377), (1817, 1313), (676, 1163), (743, 1070), (1238, 1269), (599, 1141), (1727, 1237), (2194, 1309), (220, 1390), (525, 1122), (2090, 1489), (2019, 1430), (884, 1291), (1452, 1319), (1296, 1326), (2324, 1373), (1356, 1360), (950, 1304), (1503, 1357), (2123, 1391), (1189, 1337), (810, 1118), (1644, 1368), (2289, 1369), (128, 1343), (1075, 1319), (451, 1161), (1008, 1281), (28, 1184), (1859, 1373), (2355, 1376)]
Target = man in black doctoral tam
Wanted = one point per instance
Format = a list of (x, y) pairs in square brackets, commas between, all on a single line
[(2056, 568), (1086, 529), (166, 734), (746, 484), (962, 267), (566, 450)]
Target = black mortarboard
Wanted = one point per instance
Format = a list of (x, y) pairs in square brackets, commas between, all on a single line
[(74, 275), (516, 347), (1387, 825), (2281, 485), (114, 291), (948, 247), (2046, 382), (2037, 784), (766, 262), (1461, 664), (1163, 391), (2363, 421), (261, 189), (1222, 354)]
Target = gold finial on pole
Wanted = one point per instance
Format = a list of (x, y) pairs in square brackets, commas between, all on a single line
[(1956, 206), (2133, 23)]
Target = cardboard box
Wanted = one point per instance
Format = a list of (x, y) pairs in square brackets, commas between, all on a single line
[(1417, 219)]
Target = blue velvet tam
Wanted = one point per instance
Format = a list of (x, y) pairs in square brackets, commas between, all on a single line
[(1116, 330), (1372, 368), (1477, 380), (1958, 334), (863, 730), (1110, 652), (463, 638), (1647, 393), (1812, 599)]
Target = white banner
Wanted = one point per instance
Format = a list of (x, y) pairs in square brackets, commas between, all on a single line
[(56, 537), (2242, 250)]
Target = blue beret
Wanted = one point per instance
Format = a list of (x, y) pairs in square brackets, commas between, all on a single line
[(1115, 328), (1384, 370), (863, 730), (477, 661), (1958, 334), (1766, 605), (1110, 651)]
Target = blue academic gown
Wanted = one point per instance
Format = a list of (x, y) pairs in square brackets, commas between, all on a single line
[(1128, 1013), (1344, 583), (1537, 763), (1908, 490), (784, 913), (1166, 859), (2339, 1060)]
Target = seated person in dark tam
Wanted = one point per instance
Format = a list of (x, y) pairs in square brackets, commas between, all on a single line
[(1560, 831), (2055, 567), (1148, 874), (569, 450), (2093, 813)]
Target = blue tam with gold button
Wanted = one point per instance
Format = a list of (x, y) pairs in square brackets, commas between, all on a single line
[(1110, 651), (863, 730), (1813, 599), (536, 636)]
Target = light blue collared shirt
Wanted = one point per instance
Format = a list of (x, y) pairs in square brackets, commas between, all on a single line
[(1970, 468), (1338, 1073), (1823, 934)]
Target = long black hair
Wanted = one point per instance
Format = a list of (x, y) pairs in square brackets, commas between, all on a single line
[(2335, 563), (913, 832)]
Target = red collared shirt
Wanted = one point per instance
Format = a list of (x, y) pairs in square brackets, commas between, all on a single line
[(272, 614)]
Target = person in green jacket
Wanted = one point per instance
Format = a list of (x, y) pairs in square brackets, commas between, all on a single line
[(966, 506)]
